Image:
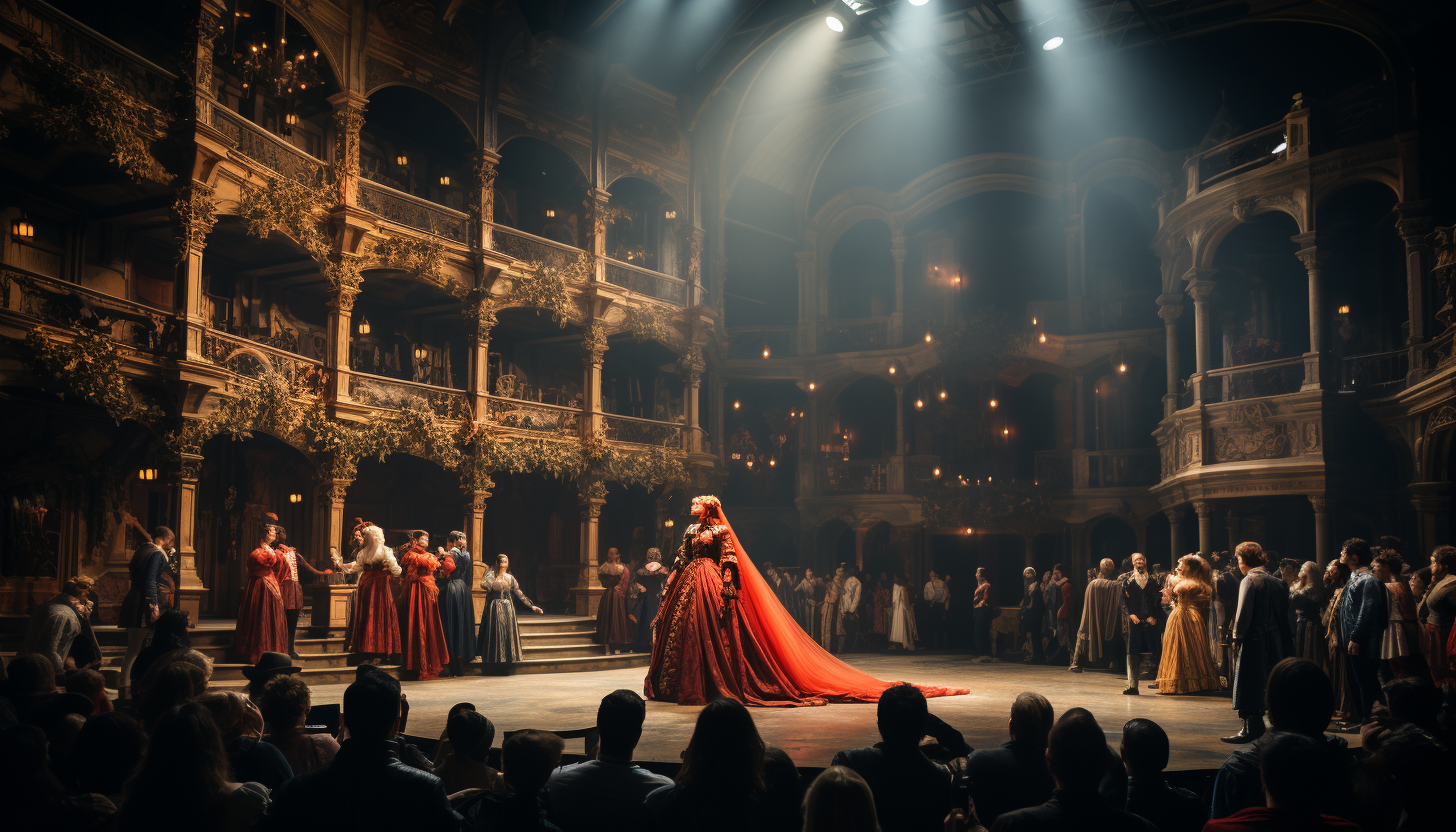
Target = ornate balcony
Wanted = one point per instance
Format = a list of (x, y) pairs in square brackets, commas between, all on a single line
[(751, 341), (533, 417), (1077, 469), (635, 431), (265, 149), (57, 302), (394, 394), (869, 476), (656, 285), (88, 49), (532, 249), (410, 211), (251, 359)]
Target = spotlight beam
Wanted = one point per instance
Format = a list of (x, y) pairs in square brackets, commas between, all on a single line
[(995, 9), (873, 27)]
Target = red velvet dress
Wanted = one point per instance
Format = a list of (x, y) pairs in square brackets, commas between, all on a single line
[(735, 639), (262, 627), (286, 571), (424, 649), (376, 624)]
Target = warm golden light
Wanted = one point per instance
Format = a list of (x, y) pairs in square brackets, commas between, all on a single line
[(811, 385), (919, 404), (994, 403), (765, 352), (1041, 338), (772, 462), (401, 160), (750, 463), (1033, 321), (444, 180), (290, 119), (295, 498), (1006, 431), (667, 524), (1344, 310), (147, 474), (420, 352), (935, 473), (956, 280), (669, 214), (735, 405), (927, 337), (942, 395), (892, 369), (364, 326), (1122, 368), (22, 228), (550, 212)]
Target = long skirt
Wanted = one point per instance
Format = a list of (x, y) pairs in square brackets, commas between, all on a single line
[(499, 641), (613, 627), (1346, 703), (1186, 665), (425, 651), (457, 615), (1309, 641), (647, 607), (376, 624), (262, 627)]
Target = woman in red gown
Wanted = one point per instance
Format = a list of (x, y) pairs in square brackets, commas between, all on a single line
[(262, 627), (424, 648), (375, 628), (723, 632)]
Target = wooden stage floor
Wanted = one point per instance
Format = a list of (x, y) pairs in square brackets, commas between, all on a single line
[(811, 736)]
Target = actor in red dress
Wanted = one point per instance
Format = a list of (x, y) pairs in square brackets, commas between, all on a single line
[(262, 627), (287, 572), (424, 649), (375, 629), (721, 631)]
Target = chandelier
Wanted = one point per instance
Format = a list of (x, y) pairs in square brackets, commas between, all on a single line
[(267, 65)]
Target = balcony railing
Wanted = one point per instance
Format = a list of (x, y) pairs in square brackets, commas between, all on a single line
[(751, 341), (252, 359), (532, 416), (1375, 373), (410, 211), (393, 394), (638, 431), (266, 149), (532, 249), (1125, 468), (89, 49), (870, 476), (646, 282), (55, 301), (1251, 381), (856, 335), (1240, 155)]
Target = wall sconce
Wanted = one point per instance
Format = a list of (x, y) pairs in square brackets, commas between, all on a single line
[(420, 352), (444, 180), (550, 212), (1344, 309), (147, 474), (669, 214), (295, 498), (401, 160), (22, 228), (765, 352), (364, 325)]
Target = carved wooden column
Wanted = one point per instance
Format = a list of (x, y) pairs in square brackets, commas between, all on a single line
[(1321, 529), (588, 593), (479, 318), (1201, 288), (340, 331), (1310, 255), (330, 599), (348, 121), (594, 350), (487, 163), (196, 212), (1414, 231), (596, 229), (1175, 534), (210, 15), (187, 468), (690, 252), (690, 366), (1204, 510), (1170, 309)]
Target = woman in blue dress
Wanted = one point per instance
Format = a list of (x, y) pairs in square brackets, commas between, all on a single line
[(500, 637), (650, 577), (457, 610)]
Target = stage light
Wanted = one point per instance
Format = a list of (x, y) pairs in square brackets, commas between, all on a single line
[(1344, 310), (1041, 339), (550, 212), (994, 403), (295, 498), (364, 325), (834, 23), (401, 160), (1052, 43), (765, 352), (1279, 148), (735, 405), (1048, 33), (147, 474), (918, 2)]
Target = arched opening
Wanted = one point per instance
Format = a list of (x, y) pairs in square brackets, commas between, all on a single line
[(1110, 537), (640, 379), (406, 492), (627, 523), (542, 537), (834, 544), (762, 420), (1362, 267), (862, 273), (407, 329), (862, 421), (643, 225), (532, 358), (269, 291), (241, 481), (1261, 297), (540, 190), (1121, 272), (414, 143)]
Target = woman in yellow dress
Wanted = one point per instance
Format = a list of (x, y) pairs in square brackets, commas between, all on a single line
[(1187, 665)]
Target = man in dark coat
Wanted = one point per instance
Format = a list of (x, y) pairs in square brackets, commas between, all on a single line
[(1033, 611), (1364, 613), (1261, 638), (1099, 637), (1142, 613)]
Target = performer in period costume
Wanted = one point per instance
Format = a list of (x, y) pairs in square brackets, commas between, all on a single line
[(1439, 609), (1307, 597), (1261, 638), (1337, 575), (650, 578), (375, 628), (1364, 615), (937, 603), (425, 652), (142, 603), (1031, 616), (499, 641), (1060, 607), (1187, 663), (829, 609), (882, 602), (262, 626), (984, 612), (806, 608), (457, 608), (902, 616), (847, 624), (614, 630), (1142, 610), (721, 632), (286, 571), (1099, 635), (1400, 653)]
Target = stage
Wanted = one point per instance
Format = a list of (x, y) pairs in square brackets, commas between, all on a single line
[(567, 701)]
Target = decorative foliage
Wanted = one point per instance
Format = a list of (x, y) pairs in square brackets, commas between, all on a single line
[(545, 287), (345, 276), (1002, 506), (520, 455), (197, 213), (420, 256), (981, 345), (291, 207), (274, 403), (86, 367), (645, 466), (84, 105), (594, 342), (649, 323)]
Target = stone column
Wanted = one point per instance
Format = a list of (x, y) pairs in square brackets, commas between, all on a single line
[(1413, 230), (187, 468), (596, 219), (483, 201), (897, 458), (1310, 255), (1170, 309), (1175, 534), (1321, 529), (1204, 510), (690, 367), (348, 121), (1201, 288)]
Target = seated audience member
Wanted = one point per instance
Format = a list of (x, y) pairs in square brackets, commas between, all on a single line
[(720, 785), (1301, 700), (912, 792), (1144, 752), (185, 776), (284, 705), (1409, 700), (249, 757), (55, 624), (268, 666), (606, 794), (177, 677), (839, 800), (471, 736), (366, 786), (31, 680), (61, 718), (106, 754), (92, 685), (1295, 777), (528, 758), (783, 794), (1015, 775), (1076, 755), (1419, 771), (442, 746), (31, 795), (169, 632)]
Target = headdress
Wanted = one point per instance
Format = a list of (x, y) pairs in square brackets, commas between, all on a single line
[(654, 554)]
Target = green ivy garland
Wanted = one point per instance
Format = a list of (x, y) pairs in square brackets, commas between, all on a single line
[(86, 366), (420, 256), (649, 323)]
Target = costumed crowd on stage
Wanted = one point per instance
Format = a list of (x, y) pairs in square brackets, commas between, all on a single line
[(1363, 646)]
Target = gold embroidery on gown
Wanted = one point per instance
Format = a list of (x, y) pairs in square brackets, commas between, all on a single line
[(1187, 665)]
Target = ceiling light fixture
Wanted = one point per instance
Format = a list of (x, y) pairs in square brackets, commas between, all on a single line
[(834, 23)]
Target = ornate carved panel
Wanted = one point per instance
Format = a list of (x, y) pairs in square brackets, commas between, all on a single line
[(1251, 432)]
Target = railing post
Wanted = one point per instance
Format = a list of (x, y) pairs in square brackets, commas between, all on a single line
[(486, 170), (1201, 288), (1296, 130), (348, 122), (1170, 309)]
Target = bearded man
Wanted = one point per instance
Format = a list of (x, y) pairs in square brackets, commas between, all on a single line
[(1101, 630), (1142, 613)]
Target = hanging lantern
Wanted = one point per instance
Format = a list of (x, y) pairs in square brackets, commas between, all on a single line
[(444, 180), (364, 325), (550, 212), (147, 474), (295, 498), (401, 160), (22, 228), (420, 352)]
